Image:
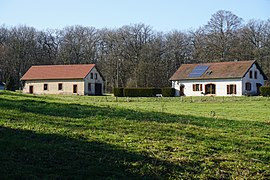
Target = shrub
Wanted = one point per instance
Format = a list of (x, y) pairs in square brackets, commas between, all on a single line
[(141, 92), (265, 90), (118, 92), (156, 91), (168, 92)]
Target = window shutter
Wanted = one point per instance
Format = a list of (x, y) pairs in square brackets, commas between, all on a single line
[(234, 89), (194, 87), (200, 87), (228, 89)]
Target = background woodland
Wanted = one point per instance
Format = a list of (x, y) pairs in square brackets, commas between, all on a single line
[(134, 55)]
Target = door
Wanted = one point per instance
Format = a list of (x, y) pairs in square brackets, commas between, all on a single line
[(98, 89), (89, 88), (75, 88), (182, 87), (210, 89), (258, 85), (31, 89)]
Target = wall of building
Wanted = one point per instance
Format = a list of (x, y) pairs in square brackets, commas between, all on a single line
[(93, 81), (67, 85), (252, 80), (221, 86)]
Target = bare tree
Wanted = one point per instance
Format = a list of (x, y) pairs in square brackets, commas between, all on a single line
[(78, 45), (221, 33), (48, 46), (22, 52), (133, 55), (178, 50)]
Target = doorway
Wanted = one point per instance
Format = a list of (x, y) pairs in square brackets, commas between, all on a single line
[(75, 88), (182, 87), (98, 89), (31, 89), (258, 85), (210, 89)]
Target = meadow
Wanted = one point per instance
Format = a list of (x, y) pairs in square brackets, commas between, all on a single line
[(86, 137)]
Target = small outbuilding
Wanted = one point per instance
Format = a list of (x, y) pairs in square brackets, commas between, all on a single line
[(81, 79), (219, 79), (2, 85)]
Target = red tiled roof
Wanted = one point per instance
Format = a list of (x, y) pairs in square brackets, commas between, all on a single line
[(219, 70), (78, 71)]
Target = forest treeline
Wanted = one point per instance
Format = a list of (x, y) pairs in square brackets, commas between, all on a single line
[(134, 55)]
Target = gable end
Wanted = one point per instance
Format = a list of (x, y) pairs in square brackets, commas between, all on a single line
[(259, 68)]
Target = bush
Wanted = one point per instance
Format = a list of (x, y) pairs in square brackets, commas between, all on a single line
[(168, 92), (156, 91), (141, 92), (118, 92), (265, 90)]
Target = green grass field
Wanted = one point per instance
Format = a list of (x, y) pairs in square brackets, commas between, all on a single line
[(141, 138)]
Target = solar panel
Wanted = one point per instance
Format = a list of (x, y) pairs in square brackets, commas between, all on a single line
[(198, 71)]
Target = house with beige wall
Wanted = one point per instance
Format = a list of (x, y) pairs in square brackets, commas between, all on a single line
[(218, 79), (81, 79)]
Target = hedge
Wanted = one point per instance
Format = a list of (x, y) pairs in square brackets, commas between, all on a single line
[(168, 92), (118, 92), (141, 92), (265, 90)]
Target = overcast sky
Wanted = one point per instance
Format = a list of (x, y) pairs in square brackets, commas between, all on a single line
[(161, 15)]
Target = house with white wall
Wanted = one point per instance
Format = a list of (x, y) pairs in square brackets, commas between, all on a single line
[(234, 78), (81, 79)]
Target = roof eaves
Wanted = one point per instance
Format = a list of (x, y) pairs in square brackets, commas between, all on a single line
[(89, 71), (187, 79), (249, 68), (34, 79), (261, 71), (98, 72)]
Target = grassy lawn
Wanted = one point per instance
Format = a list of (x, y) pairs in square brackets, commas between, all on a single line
[(141, 138)]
